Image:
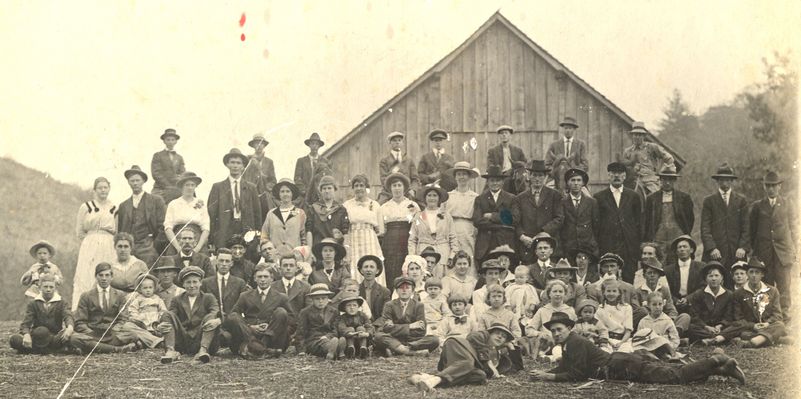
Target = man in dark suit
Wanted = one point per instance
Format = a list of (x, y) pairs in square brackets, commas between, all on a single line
[(621, 220), (294, 288), (774, 238), (376, 295), (537, 210), (724, 221), (260, 171), (97, 312), (260, 321), (582, 218), (504, 155), (305, 166), (684, 275), (434, 163), (492, 214), (188, 256), (166, 167), (397, 162), (668, 212), (234, 206), (142, 216), (225, 287), (568, 152)]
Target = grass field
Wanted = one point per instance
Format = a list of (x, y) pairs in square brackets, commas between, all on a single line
[(772, 373)]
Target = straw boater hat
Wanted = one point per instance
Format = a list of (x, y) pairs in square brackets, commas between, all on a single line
[(771, 178), (724, 172), (443, 196), (652, 263), (188, 176), (320, 289), (135, 170), (394, 177), (504, 329), (257, 138), (494, 171), (348, 297), (570, 173), (235, 153), (190, 271), (561, 318), (638, 128), (42, 244), (438, 134), (430, 251), (317, 249), (683, 237), (463, 166), (714, 265), (569, 121), (377, 260), (314, 137), (395, 134), (170, 132), (287, 183), (668, 171), (646, 339), (504, 127)]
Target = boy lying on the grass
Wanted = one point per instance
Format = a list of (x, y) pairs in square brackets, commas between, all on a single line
[(582, 360)]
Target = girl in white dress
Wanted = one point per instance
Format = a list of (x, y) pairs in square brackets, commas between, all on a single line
[(366, 224)]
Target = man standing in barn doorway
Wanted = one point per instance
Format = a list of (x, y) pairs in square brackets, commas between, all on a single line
[(644, 158), (434, 163), (505, 154), (569, 152)]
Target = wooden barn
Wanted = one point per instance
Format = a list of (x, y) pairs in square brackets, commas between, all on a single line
[(498, 76)]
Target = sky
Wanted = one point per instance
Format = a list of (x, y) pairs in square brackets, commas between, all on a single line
[(88, 86)]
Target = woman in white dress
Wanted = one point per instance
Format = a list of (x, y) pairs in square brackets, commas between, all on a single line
[(187, 210), (434, 227), (366, 224), (95, 228), (460, 207)]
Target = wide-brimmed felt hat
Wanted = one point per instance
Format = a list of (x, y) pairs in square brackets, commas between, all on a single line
[(638, 128), (235, 153), (438, 134), (430, 251), (611, 257), (395, 134), (652, 263), (191, 271), (41, 337), (379, 263), (314, 137), (587, 302), (538, 165), (288, 183), (443, 195), (724, 172), (570, 173), (505, 249), (739, 265), (668, 171), (142, 276), (319, 289), (327, 180), (582, 248), (170, 132), (257, 138), (489, 265), (771, 178), (394, 177), (503, 328), (403, 280), (615, 167), (755, 263), (236, 239), (543, 236), (683, 237), (42, 244), (463, 166), (559, 317), (563, 265), (317, 249), (188, 176), (349, 298), (494, 171), (166, 263), (569, 121), (135, 170), (713, 264), (504, 127)]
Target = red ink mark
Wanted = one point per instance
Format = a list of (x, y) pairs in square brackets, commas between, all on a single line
[(242, 20)]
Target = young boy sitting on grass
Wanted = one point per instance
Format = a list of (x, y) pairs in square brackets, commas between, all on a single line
[(48, 322), (354, 326), (316, 333), (436, 306)]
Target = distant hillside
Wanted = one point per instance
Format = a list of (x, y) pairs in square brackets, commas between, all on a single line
[(34, 206)]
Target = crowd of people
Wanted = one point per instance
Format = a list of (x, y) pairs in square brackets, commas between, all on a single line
[(606, 284)]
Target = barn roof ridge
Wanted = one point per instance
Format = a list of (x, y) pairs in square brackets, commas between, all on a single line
[(441, 64)]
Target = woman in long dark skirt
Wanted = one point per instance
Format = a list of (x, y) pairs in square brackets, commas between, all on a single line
[(398, 213)]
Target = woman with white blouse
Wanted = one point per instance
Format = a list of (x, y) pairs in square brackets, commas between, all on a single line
[(366, 224), (434, 227), (285, 225), (398, 213), (460, 207), (187, 211)]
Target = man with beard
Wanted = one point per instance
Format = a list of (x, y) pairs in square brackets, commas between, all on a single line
[(188, 256), (142, 216), (620, 230)]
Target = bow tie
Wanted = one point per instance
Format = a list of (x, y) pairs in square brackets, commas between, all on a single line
[(171, 151), (460, 319), (185, 258)]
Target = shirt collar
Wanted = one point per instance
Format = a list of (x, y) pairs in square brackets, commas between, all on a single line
[(567, 140), (762, 287), (575, 198), (709, 291), (100, 290), (616, 190), (263, 292), (722, 193), (138, 196), (684, 263), (231, 179), (292, 281), (56, 297), (221, 276), (645, 287)]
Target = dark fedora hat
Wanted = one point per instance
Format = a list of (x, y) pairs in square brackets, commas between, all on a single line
[(615, 167), (317, 249), (379, 263), (188, 176), (314, 137), (724, 172), (755, 263), (570, 173), (505, 250), (714, 265), (652, 263), (683, 237), (257, 138), (169, 132), (668, 171), (638, 128), (288, 183), (771, 178), (135, 170), (430, 251), (538, 165), (235, 153), (504, 127), (494, 171), (569, 121), (560, 318), (438, 134)]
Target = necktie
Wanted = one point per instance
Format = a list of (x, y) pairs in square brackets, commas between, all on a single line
[(459, 319), (726, 198), (312, 164), (288, 287), (104, 302), (772, 202), (222, 293), (437, 154), (397, 156), (263, 296), (537, 197), (567, 147), (576, 202), (403, 308), (236, 195)]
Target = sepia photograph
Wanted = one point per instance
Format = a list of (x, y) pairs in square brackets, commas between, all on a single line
[(380, 199)]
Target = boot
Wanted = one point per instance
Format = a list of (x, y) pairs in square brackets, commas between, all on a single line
[(350, 352), (733, 370), (170, 356), (202, 355), (428, 383), (364, 353)]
